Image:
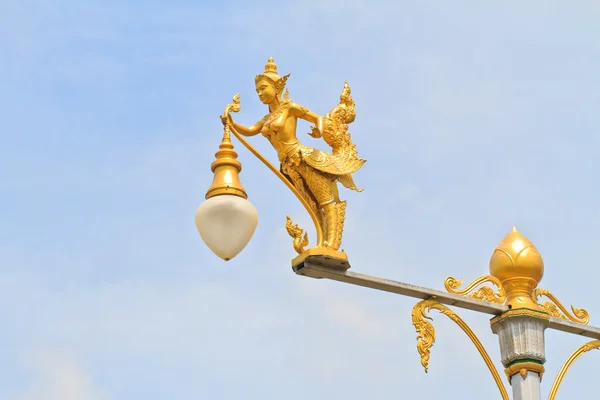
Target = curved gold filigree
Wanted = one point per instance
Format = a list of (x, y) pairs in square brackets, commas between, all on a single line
[(579, 314), (483, 293), (426, 337), (594, 344), (426, 331), (312, 175), (300, 237)]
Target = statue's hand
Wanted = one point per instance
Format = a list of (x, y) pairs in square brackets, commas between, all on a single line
[(226, 120), (315, 132)]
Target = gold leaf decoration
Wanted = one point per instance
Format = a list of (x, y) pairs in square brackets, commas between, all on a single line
[(426, 337), (483, 293), (558, 310)]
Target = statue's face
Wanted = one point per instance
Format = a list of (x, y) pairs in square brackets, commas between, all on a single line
[(266, 92)]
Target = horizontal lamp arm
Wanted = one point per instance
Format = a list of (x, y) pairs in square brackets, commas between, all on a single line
[(323, 267)]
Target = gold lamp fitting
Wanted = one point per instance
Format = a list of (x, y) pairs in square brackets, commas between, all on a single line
[(517, 263), (226, 169)]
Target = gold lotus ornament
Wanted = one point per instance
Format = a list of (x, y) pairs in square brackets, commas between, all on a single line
[(518, 265)]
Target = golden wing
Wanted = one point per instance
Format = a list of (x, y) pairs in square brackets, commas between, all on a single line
[(334, 164), (343, 160), (335, 124)]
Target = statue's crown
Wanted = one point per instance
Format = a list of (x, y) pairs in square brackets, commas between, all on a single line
[(272, 76), (271, 67), (270, 71)]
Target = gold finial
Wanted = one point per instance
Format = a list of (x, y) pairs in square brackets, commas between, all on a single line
[(226, 168), (517, 263)]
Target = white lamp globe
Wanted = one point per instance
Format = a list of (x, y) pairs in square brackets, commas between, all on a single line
[(226, 223)]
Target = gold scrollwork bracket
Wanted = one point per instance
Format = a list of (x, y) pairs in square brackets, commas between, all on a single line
[(426, 336), (483, 293), (594, 344), (579, 314)]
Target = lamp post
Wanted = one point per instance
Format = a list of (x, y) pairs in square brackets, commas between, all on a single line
[(226, 222)]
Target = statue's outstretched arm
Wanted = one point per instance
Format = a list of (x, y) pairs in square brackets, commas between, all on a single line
[(244, 130), (307, 115)]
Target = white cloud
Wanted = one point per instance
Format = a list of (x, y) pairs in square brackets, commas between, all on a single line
[(57, 375)]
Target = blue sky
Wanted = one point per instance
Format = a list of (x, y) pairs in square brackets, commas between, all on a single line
[(473, 118)]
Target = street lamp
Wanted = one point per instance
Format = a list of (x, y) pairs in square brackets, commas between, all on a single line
[(226, 222)]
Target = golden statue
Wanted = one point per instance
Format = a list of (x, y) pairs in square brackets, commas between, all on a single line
[(313, 174)]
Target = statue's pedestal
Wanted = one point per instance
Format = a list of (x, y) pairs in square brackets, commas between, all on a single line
[(330, 259)]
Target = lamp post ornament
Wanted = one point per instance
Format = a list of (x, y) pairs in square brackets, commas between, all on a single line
[(226, 222)]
